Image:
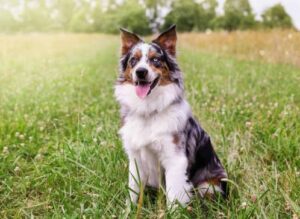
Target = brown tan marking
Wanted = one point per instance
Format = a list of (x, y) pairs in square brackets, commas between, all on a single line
[(137, 54), (152, 53), (212, 183), (128, 72), (163, 71), (175, 139), (128, 75)]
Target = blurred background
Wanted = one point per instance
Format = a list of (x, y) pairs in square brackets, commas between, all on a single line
[(146, 16)]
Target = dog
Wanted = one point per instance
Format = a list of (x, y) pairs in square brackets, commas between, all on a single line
[(159, 133)]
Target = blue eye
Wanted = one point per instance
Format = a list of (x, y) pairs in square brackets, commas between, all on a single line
[(155, 60)]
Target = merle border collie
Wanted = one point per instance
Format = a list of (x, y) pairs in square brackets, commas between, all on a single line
[(159, 132)]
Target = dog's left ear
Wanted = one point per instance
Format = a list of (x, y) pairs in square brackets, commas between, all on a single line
[(167, 40), (128, 40)]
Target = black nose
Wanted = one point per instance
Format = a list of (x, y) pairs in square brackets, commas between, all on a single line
[(141, 73)]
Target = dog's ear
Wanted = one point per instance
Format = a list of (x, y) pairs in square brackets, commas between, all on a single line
[(128, 40), (167, 40)]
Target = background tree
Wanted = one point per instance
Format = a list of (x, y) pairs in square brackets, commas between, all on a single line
[(191, 16), (64, 11), (130, 15), (7, 21), (36, 16), (207, 14), (184, 14), (82, 20), (155, 11), (142, 16), (238, 15), (276, 16)]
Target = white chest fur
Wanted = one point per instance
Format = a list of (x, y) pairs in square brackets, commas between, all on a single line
[(139, 131)]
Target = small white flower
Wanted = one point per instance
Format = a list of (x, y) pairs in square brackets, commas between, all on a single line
[(17, 169), (244, 205), (5, 151), (38, 157), (248, 124), (99, 129)]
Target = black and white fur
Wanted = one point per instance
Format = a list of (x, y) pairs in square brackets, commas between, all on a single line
[(159, 132)]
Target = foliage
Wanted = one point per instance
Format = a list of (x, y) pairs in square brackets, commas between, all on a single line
[(7, 21), (238, 15), (154, 12), (191, 16), (131, 15), (35, 17), (144, 16), (185, 14), (276, 16)]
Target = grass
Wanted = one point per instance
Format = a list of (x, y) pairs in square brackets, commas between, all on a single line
[(60, 155), (273, 46)]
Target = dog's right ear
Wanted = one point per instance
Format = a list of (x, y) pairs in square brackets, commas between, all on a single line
[(128, 40)]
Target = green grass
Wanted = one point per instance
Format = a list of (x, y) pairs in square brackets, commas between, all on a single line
[(60, 155)]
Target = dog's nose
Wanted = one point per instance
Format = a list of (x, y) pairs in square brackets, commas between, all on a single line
[(141, 73)]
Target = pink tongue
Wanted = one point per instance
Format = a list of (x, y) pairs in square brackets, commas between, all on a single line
[(142, 90)]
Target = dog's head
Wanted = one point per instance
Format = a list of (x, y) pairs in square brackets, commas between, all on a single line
[(149, 65)]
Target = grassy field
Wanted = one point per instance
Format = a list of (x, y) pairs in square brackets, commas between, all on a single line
[(60, 155)]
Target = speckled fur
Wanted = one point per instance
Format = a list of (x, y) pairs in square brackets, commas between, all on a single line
[(159, 133)]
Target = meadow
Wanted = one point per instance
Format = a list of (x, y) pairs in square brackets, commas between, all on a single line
[(60, 154)]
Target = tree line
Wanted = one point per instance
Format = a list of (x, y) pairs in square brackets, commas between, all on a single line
[(144, 16)]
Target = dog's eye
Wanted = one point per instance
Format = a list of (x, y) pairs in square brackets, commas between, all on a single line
[(133, 61), (156, 61)]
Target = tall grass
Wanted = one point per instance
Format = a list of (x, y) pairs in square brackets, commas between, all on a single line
[(273, 46)]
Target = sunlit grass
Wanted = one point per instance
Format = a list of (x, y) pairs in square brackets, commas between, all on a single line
[(60, 154), (274, 46)]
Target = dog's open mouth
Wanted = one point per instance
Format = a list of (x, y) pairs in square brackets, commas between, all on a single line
[(143, 88)]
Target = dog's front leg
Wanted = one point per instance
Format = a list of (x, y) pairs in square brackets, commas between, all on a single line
[(136, 177), (177, 185)]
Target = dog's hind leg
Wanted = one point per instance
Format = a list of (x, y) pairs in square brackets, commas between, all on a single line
[(177, 185), (210, 187)]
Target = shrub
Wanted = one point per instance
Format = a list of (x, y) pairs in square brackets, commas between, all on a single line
[(130, 15), (238, 15), (189, 15), (276, 16)]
